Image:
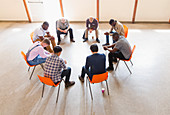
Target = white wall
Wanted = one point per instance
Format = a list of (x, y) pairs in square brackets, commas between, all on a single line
[(79, 10), (12, 10), (117, 9), (153, 10)]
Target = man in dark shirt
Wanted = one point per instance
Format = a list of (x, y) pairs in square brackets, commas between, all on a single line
[(91, 24), (95, 64)]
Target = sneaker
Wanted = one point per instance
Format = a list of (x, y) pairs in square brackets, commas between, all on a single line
[(81, 79), (58, 43), (109, 68), (68, 84), (97, 40), (105, 44), (85, 39), (72, 40)]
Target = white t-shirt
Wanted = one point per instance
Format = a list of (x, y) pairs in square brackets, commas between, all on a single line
[(39, 32)]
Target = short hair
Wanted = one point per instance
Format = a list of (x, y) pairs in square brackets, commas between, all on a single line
[(115, 34), (57, 49), (111, 21), (47, 41), (94, 48), (46, 23)]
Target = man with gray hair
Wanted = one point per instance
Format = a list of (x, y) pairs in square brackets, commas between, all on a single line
[(91, 24), (63, 27)]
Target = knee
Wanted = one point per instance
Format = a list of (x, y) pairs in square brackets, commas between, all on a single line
[(68, 68)]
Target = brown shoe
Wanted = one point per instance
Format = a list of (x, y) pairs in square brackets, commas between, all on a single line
[(68, 84), (106, 33), (58, 43), (72, 40), (81, 79)]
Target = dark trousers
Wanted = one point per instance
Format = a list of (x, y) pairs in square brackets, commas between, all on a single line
[(114, 56), (85, 71), (70, 32), (107, 38), (67, 73)]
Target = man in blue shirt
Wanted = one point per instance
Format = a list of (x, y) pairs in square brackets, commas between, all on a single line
[(95, 64)]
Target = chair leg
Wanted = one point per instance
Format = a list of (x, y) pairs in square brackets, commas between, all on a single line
[(107, 87), (28, 68), (86, 81), (42, 66), (131, 62), (32, 72), (90, 91), (43, 89), (58, 93), (117, 65), (127, 67)]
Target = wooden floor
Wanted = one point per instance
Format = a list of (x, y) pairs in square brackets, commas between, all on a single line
[(145, 92)]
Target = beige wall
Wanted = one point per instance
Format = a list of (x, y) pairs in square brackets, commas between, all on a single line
[(79, 10)]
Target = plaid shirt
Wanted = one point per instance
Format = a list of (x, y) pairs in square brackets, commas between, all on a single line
[(53, 67)]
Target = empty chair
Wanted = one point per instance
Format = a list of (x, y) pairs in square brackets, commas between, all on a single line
[(48, 81), (127, 60), (98, 79)]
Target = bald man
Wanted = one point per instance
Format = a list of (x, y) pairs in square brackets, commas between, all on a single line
[(63, 27), (91, 24)]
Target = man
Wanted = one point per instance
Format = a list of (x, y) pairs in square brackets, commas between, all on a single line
[(91, 24), (63, 27), (55, 68), (121, 49), (36, 53), (117, 26), (42, 32), (95, 64)]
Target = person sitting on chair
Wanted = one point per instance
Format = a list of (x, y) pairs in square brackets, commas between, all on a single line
[(62, 27), (121, 49), (117, 26), (36, 53), (91, 24), (42, 32), (95, 64), (55, 68)]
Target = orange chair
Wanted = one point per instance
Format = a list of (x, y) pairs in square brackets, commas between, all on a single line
[(127, 60), (98, 79), (49, 82), (24, 56), (31, 35), (125, 30)]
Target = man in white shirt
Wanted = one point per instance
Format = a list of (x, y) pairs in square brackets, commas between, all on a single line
[(36, 53), (42, 32), (117, 26)]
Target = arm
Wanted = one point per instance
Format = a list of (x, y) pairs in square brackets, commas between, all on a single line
[(63, 65), (111, 29), (87, 63), (42, 52), (111, 50), (96, 24), (87, 23)]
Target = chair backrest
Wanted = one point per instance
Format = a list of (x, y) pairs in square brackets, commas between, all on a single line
[(25, 58), (31, 35), (99, 78), (132, 51), (125, 30), (46, 81)]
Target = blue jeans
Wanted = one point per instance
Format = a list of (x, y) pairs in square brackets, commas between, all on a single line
[(85, 71), (37, 60), (107, 38)]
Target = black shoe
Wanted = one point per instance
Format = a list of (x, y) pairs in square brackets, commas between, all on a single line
[(97, 40), (68, 84), (105, 44), (58, 43), (109, 68), (72, 40), (85, 39), (81, 79)]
